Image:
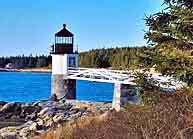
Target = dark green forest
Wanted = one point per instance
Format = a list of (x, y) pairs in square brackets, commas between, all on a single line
[(26, 61), (117, 58)]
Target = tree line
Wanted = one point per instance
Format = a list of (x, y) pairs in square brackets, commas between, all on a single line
[(26, 61), (118, 58)]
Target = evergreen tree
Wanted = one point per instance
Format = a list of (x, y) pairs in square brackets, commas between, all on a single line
[(171, 34)]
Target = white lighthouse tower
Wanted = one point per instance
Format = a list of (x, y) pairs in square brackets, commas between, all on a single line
[(63, 58)]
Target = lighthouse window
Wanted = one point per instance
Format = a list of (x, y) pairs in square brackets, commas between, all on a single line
[(64, 40), (60, 40), (72, 62), (57, 39), (67, 40), (70, 40)]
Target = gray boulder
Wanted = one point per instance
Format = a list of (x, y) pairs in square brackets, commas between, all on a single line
[(31, 117), (67, 106), (29, 111), (9, 135), (11, 107), (46, 111)]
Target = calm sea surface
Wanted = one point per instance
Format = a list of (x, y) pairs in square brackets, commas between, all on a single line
[(28, 87)]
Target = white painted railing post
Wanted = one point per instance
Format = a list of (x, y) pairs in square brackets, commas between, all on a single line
[(116, 104)]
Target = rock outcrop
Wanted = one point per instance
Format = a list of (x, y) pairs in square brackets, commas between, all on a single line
[(21, 120)]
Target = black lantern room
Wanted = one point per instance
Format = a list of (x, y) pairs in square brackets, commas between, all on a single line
[(64, 40)]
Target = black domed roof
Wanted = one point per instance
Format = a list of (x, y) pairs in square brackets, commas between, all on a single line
[(64, 32)]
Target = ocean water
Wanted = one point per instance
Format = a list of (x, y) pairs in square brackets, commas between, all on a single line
[(29, 87)]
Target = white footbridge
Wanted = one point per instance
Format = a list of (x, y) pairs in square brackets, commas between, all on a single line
[(101, 75), (118, 78)]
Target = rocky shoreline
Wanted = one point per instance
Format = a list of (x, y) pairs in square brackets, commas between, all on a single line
[(23, 120), (39, 70), (7, 70)]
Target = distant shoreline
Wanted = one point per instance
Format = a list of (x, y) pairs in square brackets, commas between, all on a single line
[(41, 70)]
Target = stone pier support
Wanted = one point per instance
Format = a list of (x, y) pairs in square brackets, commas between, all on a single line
[(63, 88), (71, 88), (58, 86)]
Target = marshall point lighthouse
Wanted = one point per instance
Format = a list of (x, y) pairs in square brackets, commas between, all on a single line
[(63, 57)]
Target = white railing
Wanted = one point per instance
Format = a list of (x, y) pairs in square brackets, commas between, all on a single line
[(101, 75)]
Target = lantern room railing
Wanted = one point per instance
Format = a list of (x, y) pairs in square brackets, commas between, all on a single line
[(62, 49)]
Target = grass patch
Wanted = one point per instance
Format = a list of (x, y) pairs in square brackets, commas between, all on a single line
[(171, 117)]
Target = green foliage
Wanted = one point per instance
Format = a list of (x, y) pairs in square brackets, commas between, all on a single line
[(150, 88), (146, 82), (116, 58), (171, 34)]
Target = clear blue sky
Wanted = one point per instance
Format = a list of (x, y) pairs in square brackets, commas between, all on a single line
[(28, 26)]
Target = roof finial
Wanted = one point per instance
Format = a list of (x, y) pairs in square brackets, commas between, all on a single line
[(64, 25)]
